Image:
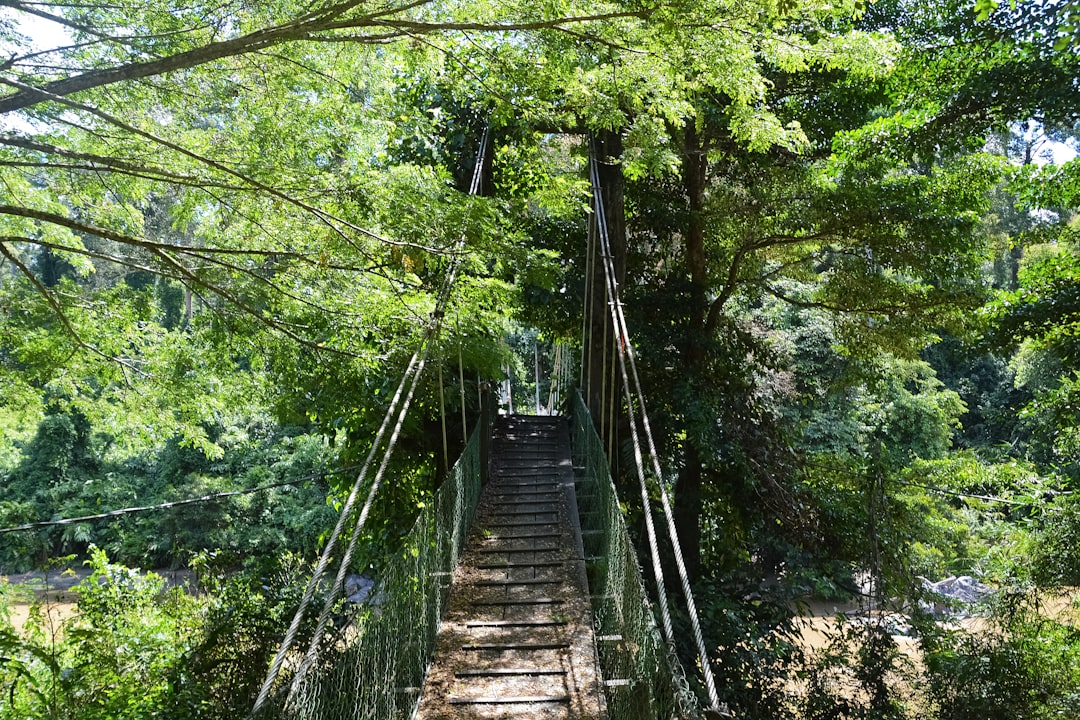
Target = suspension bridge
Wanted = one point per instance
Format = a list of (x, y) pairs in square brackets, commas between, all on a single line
[(518, 592)]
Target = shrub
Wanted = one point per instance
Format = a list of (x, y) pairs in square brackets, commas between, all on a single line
[(1055, 551), (1025, 667)]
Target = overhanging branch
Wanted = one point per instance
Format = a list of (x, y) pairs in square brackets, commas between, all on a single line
[(58, 310), (318, 25)]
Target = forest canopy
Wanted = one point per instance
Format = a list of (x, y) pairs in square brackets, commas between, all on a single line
[(846, 235)]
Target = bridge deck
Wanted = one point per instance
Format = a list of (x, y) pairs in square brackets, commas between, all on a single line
[(517, 640)]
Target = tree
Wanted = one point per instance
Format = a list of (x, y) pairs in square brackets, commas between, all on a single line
[(883, 234), (247, 119)]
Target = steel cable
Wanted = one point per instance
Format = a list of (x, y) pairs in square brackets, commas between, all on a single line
[(409, 378), (626, 356), (612, 293)]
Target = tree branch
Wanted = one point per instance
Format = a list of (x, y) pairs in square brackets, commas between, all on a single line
[(319, 25), (58, 19), (25, 97), (328, 219), (190, 278), (179, 271), (58, 310), (898, 308)]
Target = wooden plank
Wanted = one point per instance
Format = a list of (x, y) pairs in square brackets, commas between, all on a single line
[(508, 672), (518, 513), (515, 623), (507, 583), (517, 565), (519, 700), (490, 551), (507, 647), (509, 603)]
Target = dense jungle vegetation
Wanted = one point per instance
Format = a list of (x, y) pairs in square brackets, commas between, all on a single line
[(849, 242)]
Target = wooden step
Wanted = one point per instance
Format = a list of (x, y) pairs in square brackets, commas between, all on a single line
[(517, 641)]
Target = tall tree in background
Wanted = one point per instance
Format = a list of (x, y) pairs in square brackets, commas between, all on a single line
[(870, 212)]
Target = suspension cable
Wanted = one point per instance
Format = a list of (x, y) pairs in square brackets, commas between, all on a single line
[(398, 408), (556, 378), (613, 402), (324, 558), (339, 581), (626, 356), (343, 568), (536, 374), (442, 417), (585, 380), (606, 353), (461, 382), (609, 276)]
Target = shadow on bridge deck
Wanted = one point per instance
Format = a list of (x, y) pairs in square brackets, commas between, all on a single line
[(517, 640)]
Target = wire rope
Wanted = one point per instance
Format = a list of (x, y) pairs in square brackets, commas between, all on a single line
[(171, 504), (585, 380), (339, 581), (607, 352), (626, 357), (331, 543), (650, 528), (556, 378), (409, 378), (461, 382), (611, 429), (442, 419), (536, 375)]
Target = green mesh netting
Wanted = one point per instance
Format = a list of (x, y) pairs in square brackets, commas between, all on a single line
[(373, 667), (643, 678)]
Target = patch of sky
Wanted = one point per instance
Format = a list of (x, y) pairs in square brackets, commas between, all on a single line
[(22, 33), (1044, 147)]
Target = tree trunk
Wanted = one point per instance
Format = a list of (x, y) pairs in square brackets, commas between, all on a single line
[(688, 510), (688, 503)]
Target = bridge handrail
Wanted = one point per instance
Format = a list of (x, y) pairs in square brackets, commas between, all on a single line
[(643, 677), (376, 666)]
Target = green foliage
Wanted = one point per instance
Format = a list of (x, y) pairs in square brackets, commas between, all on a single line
[(245, 616), (136, 650), (859, 675), (989, 386), (1048, 186), (909, 412), (955, 85), (757, 642), (63, 475), (1027, 667), (1055, 547), (1037, 322), (127, 626), (1044, 307), (17, 427), (110, 661), (812, 198), (60, 456), (977, 525)]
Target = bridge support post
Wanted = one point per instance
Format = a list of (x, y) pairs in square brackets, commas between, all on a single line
[(603, 390), (487, 412)]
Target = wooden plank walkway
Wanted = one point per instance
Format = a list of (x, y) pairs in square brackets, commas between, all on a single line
[(517, 640)]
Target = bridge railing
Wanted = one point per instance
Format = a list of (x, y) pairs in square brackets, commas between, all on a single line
[(373, 667), (643, 677)]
